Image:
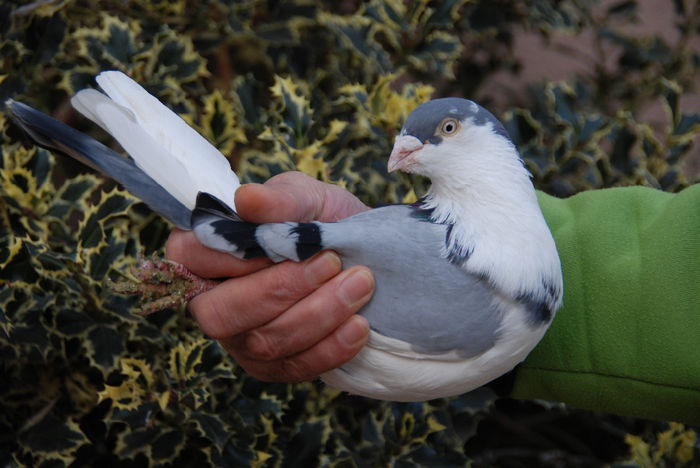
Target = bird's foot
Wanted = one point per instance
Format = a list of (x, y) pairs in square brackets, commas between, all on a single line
[(162, 284)]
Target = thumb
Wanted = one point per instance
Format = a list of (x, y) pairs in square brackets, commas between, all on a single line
[(294, 196)]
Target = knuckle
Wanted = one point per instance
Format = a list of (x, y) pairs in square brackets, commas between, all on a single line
[(297, 370), (261, 346), (287, 283), (328, 308)]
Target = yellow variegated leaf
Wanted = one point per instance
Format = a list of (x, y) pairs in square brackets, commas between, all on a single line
[(19, 157), (336, 128), (410, 197), (675, 443), (112, 204), (434, 426), (134, 389), (260, 458), (220, 124), (355, 22), (268, 135), (163, 400), (169, 42), (355, 90), (390, 108), (123, 396), (14, 246), (269, 426), (295, 107), (686, 446), (66, 83), (19, 184), (639, 450), (136, 368), (184, 359), (284, 87), (45, 8), (165, 7), (408, 424), (84, 38), (66, 457), (308, 162)]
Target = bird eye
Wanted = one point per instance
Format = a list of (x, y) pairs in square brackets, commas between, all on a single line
[(449, 126)]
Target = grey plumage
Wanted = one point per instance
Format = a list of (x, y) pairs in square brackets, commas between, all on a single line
[(468, 329), (424, 119)]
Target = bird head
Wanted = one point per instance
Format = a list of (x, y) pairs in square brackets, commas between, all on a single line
[(454, 140)]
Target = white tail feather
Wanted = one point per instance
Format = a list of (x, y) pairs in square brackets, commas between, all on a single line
[(159, 141)]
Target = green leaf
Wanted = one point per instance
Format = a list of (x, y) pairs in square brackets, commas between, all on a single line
[(212, 428), (104, 258), (294, 107), (136, 441), (72, 323), (18, 267), (168, 445), (105, 345), (119, 42), (306, 445), (91, 233), (52, 434), (77, 188)]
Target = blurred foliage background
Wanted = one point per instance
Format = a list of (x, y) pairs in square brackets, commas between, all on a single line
[(321, 87)]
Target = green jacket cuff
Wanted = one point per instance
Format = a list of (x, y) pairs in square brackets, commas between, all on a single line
[(627, 339)]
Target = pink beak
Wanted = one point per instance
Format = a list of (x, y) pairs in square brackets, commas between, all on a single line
[(402, 156)]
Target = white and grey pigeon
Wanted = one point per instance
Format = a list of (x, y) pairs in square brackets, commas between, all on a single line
[(467, 280)]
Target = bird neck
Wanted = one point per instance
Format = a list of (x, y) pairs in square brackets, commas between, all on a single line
[(496, 228)]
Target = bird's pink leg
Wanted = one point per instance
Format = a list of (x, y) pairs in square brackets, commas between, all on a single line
[(162, 284)]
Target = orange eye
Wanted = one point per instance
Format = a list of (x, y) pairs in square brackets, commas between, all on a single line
[(449, 127)]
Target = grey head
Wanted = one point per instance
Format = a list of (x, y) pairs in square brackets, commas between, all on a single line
[(425, 118)]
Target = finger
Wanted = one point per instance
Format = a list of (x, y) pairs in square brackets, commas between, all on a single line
[(312, 319), (184, 248), (330, 353), (245, 303), (294, 196)]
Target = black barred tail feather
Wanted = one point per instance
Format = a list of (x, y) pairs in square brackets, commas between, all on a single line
[(308, 239), (220, 228)]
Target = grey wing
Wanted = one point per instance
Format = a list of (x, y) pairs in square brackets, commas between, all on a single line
[(421, 298)]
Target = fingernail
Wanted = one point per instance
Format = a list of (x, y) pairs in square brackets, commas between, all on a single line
[(352, 331), (355, 287), (323, 267)]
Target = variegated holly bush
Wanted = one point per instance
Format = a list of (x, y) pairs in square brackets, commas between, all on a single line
[(320, 87)]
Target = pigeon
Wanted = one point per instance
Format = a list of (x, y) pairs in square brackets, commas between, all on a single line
[(468, 279)]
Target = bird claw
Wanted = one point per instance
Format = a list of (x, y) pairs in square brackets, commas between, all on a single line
[(162, 284)]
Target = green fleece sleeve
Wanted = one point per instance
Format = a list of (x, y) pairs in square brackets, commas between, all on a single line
[(627, 339)]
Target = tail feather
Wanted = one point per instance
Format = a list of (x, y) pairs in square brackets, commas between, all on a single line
[(54, 135), (308, 241), (220, 228), (157, 139)]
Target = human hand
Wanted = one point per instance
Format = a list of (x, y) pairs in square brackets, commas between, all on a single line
[(289, 321)]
